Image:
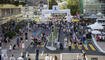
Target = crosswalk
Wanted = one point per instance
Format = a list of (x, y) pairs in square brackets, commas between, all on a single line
[(79, 47), (86, 48), (89, 47)]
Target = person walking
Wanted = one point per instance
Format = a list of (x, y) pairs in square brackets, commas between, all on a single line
[(55, 58), (47, 57), (84, 55), (26, 36), (69, 45), (23, 46), (12, 57), (0, 45), (26, 56), (10, 47), (18, 41), (78, 56), (37, 54), (5, 57)]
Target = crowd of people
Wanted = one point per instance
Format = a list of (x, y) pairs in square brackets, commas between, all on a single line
[(12, 57), (100, 38), (74, 33)]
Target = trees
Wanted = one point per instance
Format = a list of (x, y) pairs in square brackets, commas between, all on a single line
[(51, 3), (15, 2), (74, 5)]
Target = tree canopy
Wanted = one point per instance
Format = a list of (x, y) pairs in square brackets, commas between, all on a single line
[(51, 3), (15, 2), (74, 5)]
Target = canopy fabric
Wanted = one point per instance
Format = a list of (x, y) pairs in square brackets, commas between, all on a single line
[(51, 48), (100, 14), (20, 58), (96, 26), (90, 16), (96, 32)]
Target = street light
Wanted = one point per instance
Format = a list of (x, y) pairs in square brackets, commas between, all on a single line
[(48, 4)]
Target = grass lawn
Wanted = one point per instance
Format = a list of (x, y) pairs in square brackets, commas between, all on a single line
[(54, 35)]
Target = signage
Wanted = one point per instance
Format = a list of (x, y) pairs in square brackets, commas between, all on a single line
[(55, 7)]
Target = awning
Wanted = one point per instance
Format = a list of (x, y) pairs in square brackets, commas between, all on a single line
[(96, 26)]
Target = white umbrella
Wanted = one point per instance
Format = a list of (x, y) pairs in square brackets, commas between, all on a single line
[(92, 16), (20, 58), (100, 14), (51, 48), (96, 32), (96, 26), (103, 32)]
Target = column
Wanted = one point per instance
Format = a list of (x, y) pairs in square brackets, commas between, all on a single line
[(68, 16), (0, 13), (10, 12), (5, 12), (20, 10), (82, 6)]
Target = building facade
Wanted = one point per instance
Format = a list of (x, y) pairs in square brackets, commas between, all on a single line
[(35, 2), (9, 10), (28, 11), (93, 6)]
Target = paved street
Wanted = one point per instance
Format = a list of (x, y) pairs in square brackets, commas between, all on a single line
[(92, 50), (52, 29)]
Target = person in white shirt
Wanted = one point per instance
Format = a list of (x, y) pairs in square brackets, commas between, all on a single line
[(5, 57), (20, 58), (23, 45), (78, 56), (58, 45), (10, 47), (47, 57), (12, 57)]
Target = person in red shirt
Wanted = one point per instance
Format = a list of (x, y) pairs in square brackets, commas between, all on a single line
[(97, 37)]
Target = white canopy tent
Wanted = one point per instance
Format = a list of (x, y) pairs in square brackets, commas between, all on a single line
[(91, 16), (20, 58), (51, 48), (56, 10), (96, 32), (95, 26), (100, 14)]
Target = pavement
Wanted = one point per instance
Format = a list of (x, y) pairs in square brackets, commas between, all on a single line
[(102, 45), (90, 50), (68, 56), (18, 51)]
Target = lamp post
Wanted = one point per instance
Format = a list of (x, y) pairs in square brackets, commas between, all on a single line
[(48, 4), (82, 6), (27, 13)]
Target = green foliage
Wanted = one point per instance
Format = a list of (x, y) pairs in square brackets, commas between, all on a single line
[(22, 3), (10, 34), (51, 3), (15, 2), (54, 35), (18, 27), (74, 5)]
